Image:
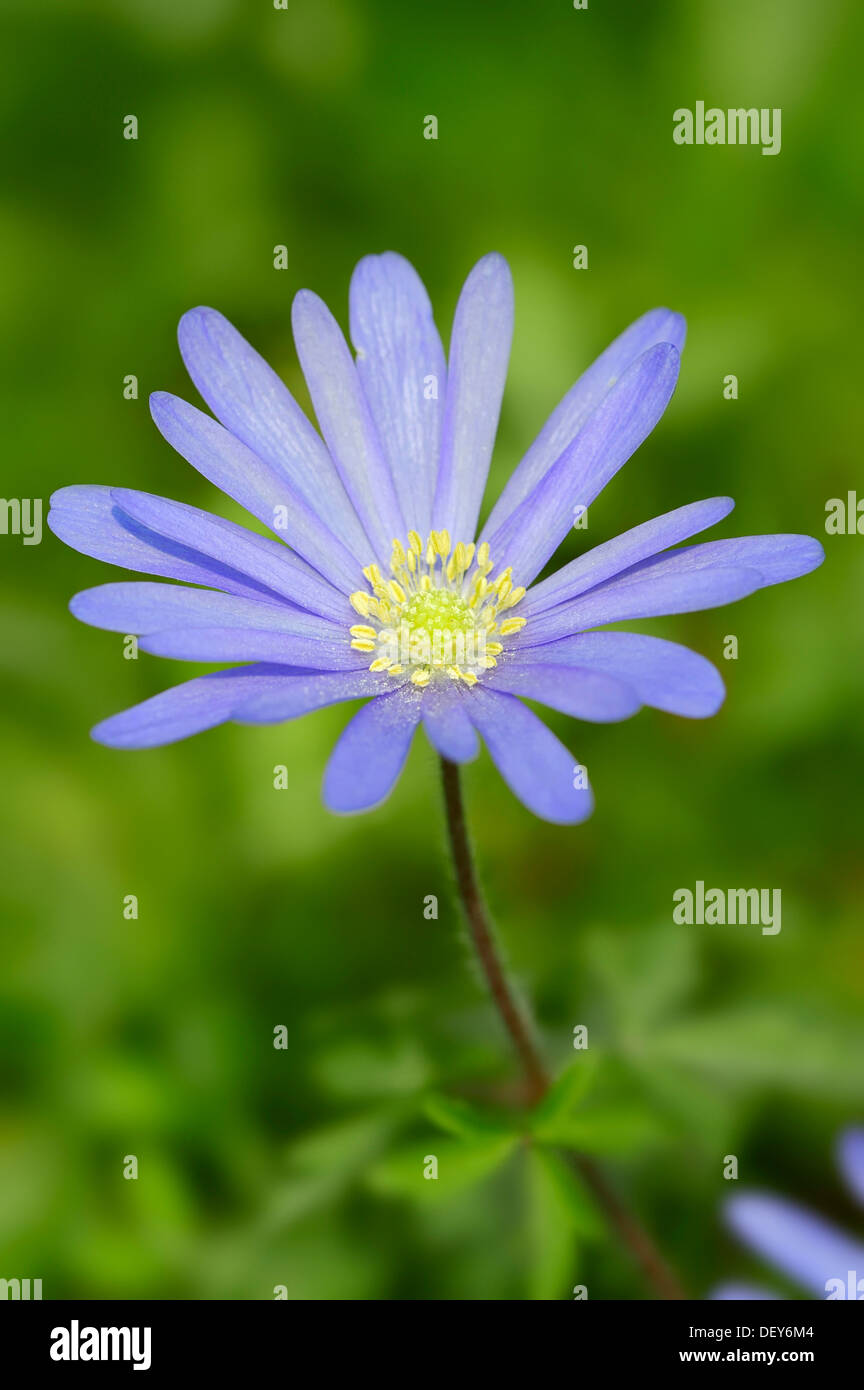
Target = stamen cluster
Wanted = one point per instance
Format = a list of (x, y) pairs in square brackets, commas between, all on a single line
[(438, 614)]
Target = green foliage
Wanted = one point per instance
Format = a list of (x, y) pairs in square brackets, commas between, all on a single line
[(466, 1121), (460, 1164), (560, 1214)]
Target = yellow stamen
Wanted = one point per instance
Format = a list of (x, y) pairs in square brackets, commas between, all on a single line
[(515, 596)]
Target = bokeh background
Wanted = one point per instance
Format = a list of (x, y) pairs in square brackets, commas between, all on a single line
[(154, 1037)]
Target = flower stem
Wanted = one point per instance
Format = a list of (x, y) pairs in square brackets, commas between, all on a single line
[(522, 1034)]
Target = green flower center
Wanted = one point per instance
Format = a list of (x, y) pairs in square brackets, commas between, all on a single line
[(438, 611)]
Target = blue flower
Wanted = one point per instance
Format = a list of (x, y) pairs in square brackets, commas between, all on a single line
[(799, 1244), (376, 584)]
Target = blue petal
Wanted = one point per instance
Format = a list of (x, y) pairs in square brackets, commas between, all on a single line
[(477, 368), (447, 725), (663, 674), (627, 598), (803, 1246), (247, 644), (624, 418), (776, 558), (255, 405), (240, 474), (140, 607), (399, 359), (187, 709), (89, 520), (850, 1154), (264, 560), (346, 422), (566, 420), (680, 581), (573, 690), (609, 559), (535, 765), (371, 753), (301, 693)]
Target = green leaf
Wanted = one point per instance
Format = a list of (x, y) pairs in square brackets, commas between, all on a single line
[(466, 1121), (458, 1164), (618, 1130), (323, 1164), (561, 1212), (566, 1092)]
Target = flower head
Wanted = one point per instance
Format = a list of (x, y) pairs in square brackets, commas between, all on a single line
[(376, 584)]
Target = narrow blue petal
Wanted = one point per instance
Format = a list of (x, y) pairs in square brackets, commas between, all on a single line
[(626, 598), (88, 519), (299, 694), (776, 558), (447, 725), (401, 366), (803, 1246), (256, 406), (346, 422), (566, 420), (477, 368), (367, 760), (537, 768), (572, 690), (186, 709), (850, 1154), (611, 434), (247, 644), (613, 556), (240, 474), (264, 560), (140, 607), (663, 674)]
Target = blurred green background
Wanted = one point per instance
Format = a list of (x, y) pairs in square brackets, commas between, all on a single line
[(301, 1167)]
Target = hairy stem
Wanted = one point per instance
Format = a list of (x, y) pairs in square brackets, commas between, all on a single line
[(522, 1034)]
